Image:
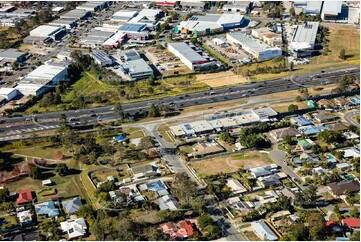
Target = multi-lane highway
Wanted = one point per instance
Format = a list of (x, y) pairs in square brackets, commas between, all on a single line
[(11, 126)]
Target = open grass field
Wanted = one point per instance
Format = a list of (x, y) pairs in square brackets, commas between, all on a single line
[(164, 131), (230, 163), (220, 79), (341, 37)]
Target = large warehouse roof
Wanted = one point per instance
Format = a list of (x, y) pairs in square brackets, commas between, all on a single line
[(46, 71), (254, 44), (187, 51), (44, 31), (332, 8), (306, 33)]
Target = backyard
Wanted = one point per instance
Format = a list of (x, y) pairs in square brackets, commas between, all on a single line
[(230, 163)]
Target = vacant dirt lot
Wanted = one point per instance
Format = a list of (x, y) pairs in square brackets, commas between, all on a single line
[(231, 163), (221, 79)]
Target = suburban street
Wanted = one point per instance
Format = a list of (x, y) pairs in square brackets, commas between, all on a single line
[(348, 117)]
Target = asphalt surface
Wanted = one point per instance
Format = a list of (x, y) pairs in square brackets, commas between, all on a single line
[(348, 117), (27, 124)]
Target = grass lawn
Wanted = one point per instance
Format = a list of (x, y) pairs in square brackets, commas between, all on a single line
[(102, 175), (186, 148), (230, 163), (251, 235), (145, 216), (164, 131), (7, 222), (133, 132)]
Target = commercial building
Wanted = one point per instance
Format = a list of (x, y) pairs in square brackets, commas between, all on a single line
[(190, 57), (7, 94), (12, 55), (137, 69), (123, 16), (101, 58), (313, 7), (128, 55), (94, 6), (53, 32), (151, 24), (115, 41), (96, 38), (267, 36), (151, 14), (304, 39), (45, 34), (254, 47), (208, 24), (67, 23), (237, 7), (58, 10), (331, 10), (42, 79)]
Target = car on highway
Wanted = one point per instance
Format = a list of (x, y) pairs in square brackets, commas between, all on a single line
[(93, 115)]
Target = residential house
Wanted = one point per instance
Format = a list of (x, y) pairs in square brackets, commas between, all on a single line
[(338, 188), (299, 121), (271, 180), (350, 135), (25, 217), (207, 148), (24, 196), (344, 166), (341, 102), (353, 223), (236, 186), (240, 206), (322, 116), (168, 202), (74, 227), (309, 158), (338, 126), (263, 231), (263, 170), (146, 170), (324, 103), (46, 209), (267, 197), (72, 205), (311, 129), (279, 134), (304, 144), (182, 231), (351, 153)]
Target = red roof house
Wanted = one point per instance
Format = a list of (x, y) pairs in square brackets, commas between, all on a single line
[(24, 196), (351, 222), (187, 225)]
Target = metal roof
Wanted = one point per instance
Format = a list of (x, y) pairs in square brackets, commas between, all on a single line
[(11, 54), (252, 43), (186, 51), (332, 7), (137, 66), (306, 33), (132, 27), (263, 231), (101, 56)]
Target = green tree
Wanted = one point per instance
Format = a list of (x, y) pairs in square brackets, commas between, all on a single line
[(292, 12), (292, 108), (146, 142), (62, 169), (36, 173), (204, 220), (225, 136), (153, 111), (4, 195), (118, 109), (342, 55)]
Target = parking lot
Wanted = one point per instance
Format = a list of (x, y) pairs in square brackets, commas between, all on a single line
[(228, 51), (166, 63)]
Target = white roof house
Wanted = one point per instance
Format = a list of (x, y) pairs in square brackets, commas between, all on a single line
[(168, 202), (352, 152), (177, 131), (263, 231), (236, 186), (24, 216), (74, 227)]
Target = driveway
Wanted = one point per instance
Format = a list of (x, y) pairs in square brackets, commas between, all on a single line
[(278, 157)]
